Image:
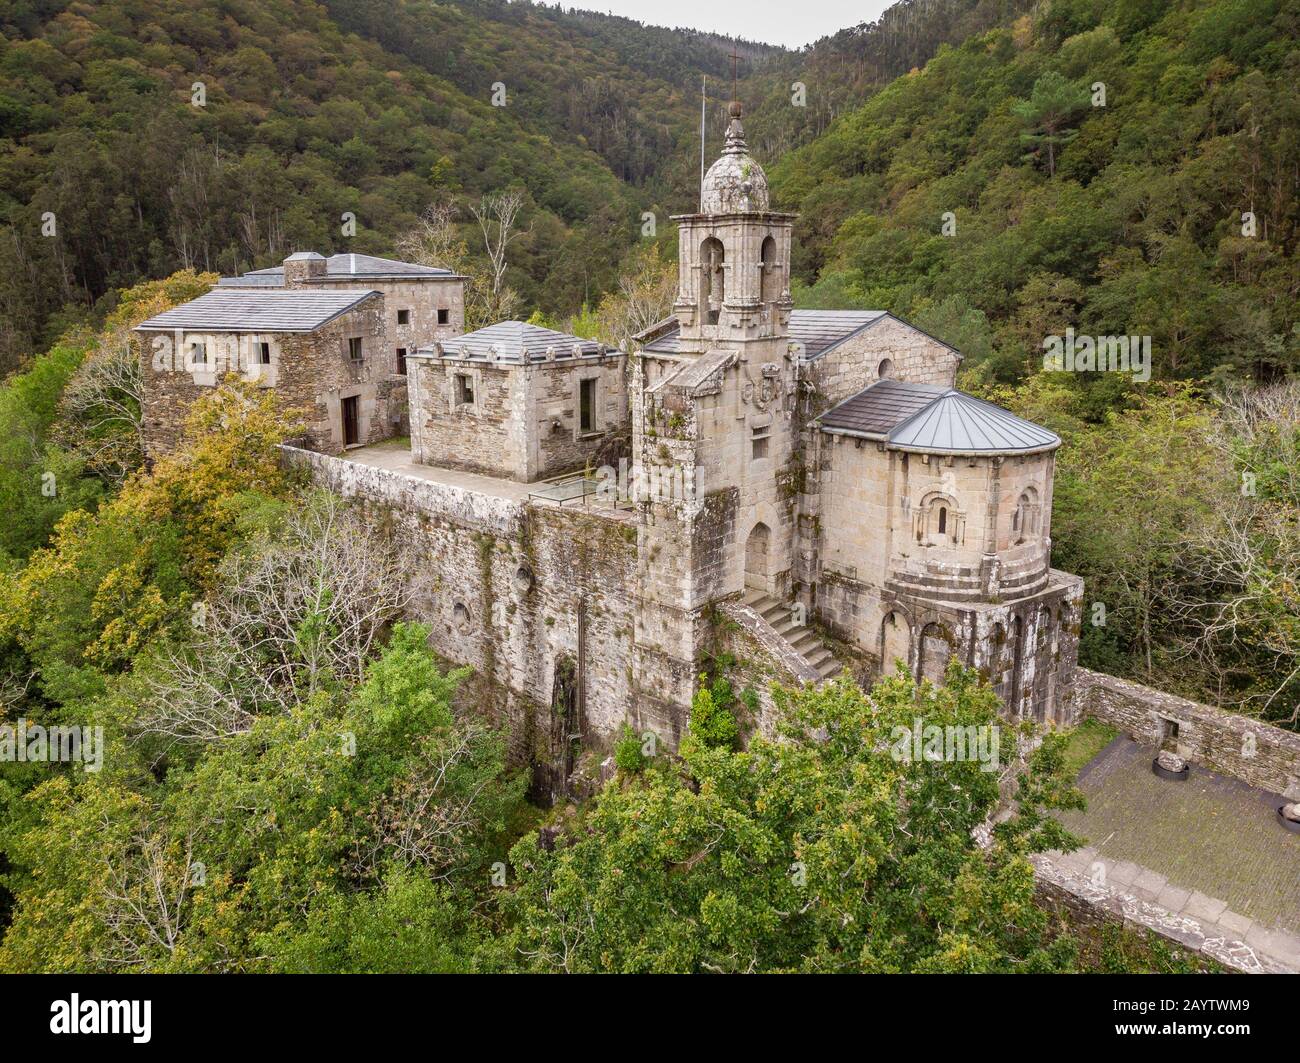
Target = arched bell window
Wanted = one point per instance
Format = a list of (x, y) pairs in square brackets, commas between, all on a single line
[(712, 279), (769, 276)]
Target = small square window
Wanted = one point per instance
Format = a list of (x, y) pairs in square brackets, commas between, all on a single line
[(354, 348), (444, 316), (403, 317), (264, 353), (401, 361), (464, 389)]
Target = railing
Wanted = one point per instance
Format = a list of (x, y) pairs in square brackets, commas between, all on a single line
[(580, 488)]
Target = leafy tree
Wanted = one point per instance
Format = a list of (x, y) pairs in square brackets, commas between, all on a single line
[(815, 851), (712, 721)]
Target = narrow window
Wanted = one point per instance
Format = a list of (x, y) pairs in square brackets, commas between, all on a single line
[(401, 361), (403, 317), (943, 519), (198, 354), (264, 353), (354, 348), (760, 442), (587, 405), (444, 316), (464, 390)]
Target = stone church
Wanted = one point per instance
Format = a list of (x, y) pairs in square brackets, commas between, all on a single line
[(805, 489)]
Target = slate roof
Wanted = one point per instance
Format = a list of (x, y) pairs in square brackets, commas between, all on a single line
[(877, 409), (363, 267), (926, 419), (962, 424), (515, 341), (817, 330), (283, 310)]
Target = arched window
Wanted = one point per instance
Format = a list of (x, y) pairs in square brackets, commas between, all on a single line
[(1024, 519), (885, 369), (769, 276), (712, 279), (938, 520)]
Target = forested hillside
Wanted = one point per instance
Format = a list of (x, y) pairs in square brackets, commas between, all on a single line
[(309, 111), (997, 198), (1122, 218)]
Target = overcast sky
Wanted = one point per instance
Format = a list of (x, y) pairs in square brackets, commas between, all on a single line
[(792, 23)]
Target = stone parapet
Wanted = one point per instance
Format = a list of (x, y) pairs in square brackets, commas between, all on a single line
[(1237, 745)]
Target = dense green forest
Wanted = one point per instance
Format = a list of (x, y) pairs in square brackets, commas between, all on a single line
[(327, 803)]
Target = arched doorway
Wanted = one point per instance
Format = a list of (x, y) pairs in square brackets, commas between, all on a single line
[(757, 549), (895, 642)]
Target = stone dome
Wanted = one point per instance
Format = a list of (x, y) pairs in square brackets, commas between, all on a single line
[(735, 183)]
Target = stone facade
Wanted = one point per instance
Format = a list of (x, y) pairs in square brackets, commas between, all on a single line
[(311, 373), (533, 595), (515, 420), (313, 370)]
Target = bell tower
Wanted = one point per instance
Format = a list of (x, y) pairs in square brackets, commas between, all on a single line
[(733, 272), (713, 435)]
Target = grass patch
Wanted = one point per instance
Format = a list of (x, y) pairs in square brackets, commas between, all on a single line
[(1085, 742)]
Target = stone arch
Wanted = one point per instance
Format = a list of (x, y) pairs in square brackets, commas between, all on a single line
[(758, 558), (1016, 643), (1025, 517), (999, 658), (938, 521), (936, 650), (769, 272), (885, 370), (1044, 665), (713, 279), (895, 641)]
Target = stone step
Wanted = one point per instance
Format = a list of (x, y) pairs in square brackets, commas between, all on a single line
[(802, 639)]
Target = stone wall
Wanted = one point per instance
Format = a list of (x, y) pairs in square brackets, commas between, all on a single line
[(1245, 748), (1087, 903), (847, 368), (311, 374), (421, 299), (537, 598), (524, 422)]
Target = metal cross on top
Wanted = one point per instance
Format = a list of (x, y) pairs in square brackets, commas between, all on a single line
[(734, 60)]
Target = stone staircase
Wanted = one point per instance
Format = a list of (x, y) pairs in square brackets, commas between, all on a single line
[(803, 641)]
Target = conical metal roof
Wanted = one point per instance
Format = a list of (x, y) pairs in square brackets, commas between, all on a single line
[(955, 423)]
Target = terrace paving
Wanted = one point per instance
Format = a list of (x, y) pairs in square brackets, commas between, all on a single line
[(1209, 849)]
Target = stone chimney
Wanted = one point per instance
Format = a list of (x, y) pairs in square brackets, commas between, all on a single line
[(301, 265)]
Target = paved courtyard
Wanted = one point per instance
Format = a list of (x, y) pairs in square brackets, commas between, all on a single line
[(1209, 848)]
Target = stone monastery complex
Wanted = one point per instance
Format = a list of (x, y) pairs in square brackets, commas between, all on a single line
[(804, 490)]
